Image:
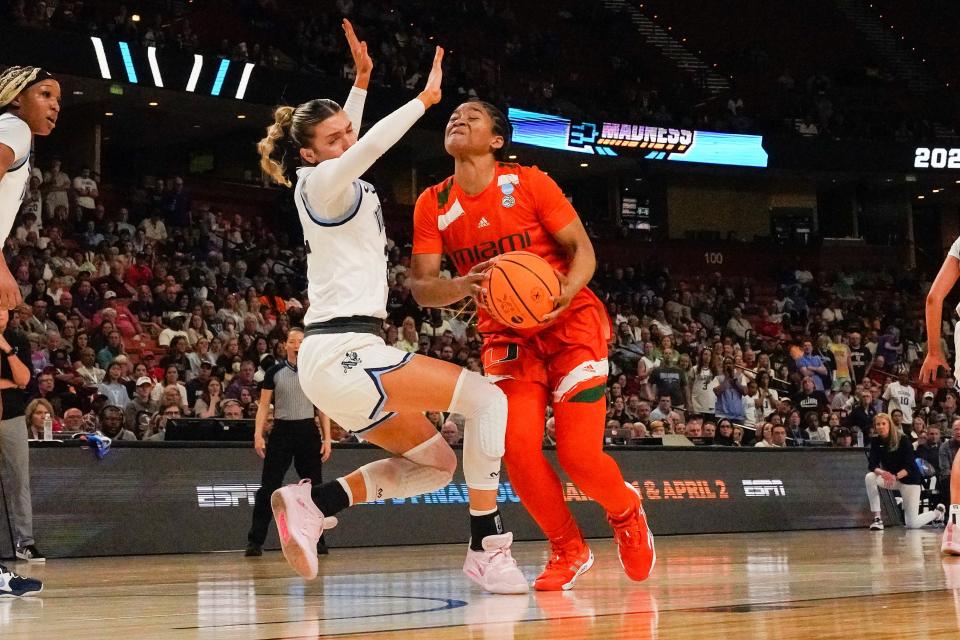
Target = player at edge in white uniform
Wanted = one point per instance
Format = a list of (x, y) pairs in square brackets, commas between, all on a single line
[(367, 387), (29, 106), (946, 278)]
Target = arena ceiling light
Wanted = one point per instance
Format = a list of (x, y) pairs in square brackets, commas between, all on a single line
[(244, 80), (221, 74), (101, 58), (154, 67), (195, 72), (128, 62)]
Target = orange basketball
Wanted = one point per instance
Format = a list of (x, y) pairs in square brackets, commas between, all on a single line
[(520, 288)]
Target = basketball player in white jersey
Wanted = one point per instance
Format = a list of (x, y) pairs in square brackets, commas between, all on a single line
[(346, 370), (29, 105), (942, 284)]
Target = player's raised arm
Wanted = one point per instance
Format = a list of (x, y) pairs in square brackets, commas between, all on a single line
[(333, 176), (942, 284), (363, 66)]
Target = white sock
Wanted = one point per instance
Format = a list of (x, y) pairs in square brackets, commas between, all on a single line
[(346, 489)]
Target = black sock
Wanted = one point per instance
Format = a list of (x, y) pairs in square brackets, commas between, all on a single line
[(330, 498), (483, 526)]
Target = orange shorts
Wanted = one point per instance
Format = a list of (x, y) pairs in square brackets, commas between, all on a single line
[(566, 357)]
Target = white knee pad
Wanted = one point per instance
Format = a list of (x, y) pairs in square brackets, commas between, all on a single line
[(484, 408), (425, 468)]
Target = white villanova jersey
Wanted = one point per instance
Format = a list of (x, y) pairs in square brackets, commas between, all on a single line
[(346, 255), (15, 134)]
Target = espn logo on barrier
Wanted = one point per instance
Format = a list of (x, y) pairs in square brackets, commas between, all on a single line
[(763, 488), (226, 495)]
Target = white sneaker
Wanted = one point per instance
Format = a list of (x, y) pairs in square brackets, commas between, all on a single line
[(494, 568), (300, 524), (941, 514), (876, 525)]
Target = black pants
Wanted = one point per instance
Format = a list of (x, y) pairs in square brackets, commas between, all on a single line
[(296, 441)]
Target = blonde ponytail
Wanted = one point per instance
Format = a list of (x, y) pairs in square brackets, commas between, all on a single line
[(276, 132)]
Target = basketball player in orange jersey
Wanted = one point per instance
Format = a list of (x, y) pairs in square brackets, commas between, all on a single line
[(490, 207)]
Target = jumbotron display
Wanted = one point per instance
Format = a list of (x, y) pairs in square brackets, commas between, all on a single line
[(652, 142)]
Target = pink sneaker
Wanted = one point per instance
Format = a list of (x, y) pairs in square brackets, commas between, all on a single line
[(300, 524), (951, 540), (494, 568)]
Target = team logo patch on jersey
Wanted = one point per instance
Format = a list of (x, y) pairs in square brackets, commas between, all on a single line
[(350, 361), (483, 223), (508, 201), (507, 189)]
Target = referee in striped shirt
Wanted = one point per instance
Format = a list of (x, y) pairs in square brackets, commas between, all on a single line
[(295, 437)]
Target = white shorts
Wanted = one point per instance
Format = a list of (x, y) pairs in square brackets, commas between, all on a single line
[(340, 373)]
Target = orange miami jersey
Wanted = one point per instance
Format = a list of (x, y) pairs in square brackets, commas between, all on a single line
[(520, 209)]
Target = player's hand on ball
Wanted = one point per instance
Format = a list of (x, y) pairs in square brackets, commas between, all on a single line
[(477, 279), (431, 91), (561, 302), (928, 372), (361, 59)]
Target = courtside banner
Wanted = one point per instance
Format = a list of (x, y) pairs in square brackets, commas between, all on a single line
[(181, 499)]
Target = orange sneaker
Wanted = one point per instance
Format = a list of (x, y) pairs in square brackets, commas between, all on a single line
[(634, 541), (569, 559)]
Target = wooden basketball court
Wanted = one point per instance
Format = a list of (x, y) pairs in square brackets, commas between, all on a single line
[(816, 584)]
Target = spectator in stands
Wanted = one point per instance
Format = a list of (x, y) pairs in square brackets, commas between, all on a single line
[(111, 350), (701, 379), (843, 399), (89, 374), (812, 366), (208, 404), (663, 409), (46, 390), (112, 386), (111, 424), (730, 391), (450, 432), (86, 191), (247, 403), (154, 230), (670, 379), (927, 446), (73, 421), (171, 378), (948, 451), (231, 409), (778, 436), (738, 325), (862, 415), (843, 438), (811, 398), (142, 402), (900, 395), (244, 378)]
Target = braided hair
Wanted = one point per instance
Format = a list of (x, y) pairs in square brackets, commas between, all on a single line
[(15, 80)]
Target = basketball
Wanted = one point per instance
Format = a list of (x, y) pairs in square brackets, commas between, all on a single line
[(520, 290)]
